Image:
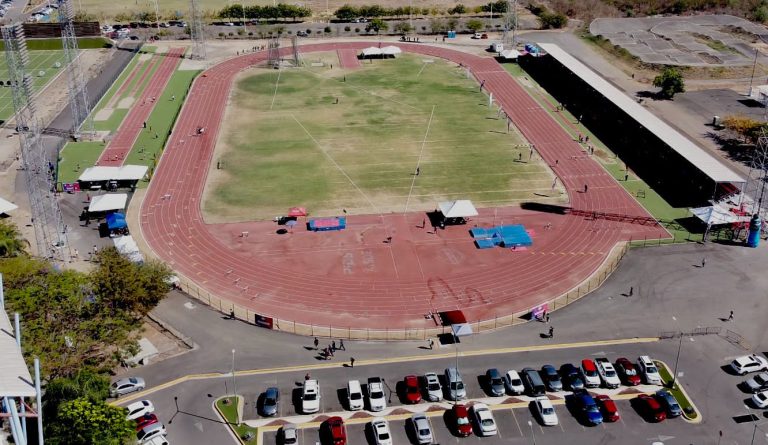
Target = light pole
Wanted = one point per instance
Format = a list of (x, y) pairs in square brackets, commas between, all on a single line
[(677, 360), (157, 16), (533, 436), (242, 6), (234, 387)]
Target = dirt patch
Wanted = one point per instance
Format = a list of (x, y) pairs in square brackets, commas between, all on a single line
[(126, 102), (103, 114)]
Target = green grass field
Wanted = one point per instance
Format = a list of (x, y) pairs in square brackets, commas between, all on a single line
[(44, 61), (288, 143)]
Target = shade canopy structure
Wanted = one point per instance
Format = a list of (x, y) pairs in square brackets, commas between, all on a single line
[(7, 206), (15, 380), (105, 203), (719, 214), (123, 173), (461, 208), (127, 246), (297, 211), (116, 221), (390, 50), (510, 54), (371, 51)]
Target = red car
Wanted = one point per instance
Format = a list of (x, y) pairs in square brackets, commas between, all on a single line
[(145, 420), (627, 372), (412, 390), (651, 408), (335, 431), (461, 418), (608, 408)]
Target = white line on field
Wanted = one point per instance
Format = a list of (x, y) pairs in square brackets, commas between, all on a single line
[(418, 161), (277, 82), (423, 65)]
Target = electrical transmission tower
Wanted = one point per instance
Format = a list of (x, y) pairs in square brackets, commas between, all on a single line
[(273, 52), (753, 195), (78, 91), (196, 31), (510, 23), (39, 171)]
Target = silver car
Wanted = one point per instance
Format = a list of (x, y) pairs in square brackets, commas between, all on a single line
[(126, 386), (422, 428)]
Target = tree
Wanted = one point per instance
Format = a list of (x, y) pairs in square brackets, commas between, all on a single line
[(84, 422), (744, 126), (403, 28), (437, 25), (376, 25), (346, 13), (458, 9), (474, 25), (670, 81), (11, 243), (84, 384), (552, 20)]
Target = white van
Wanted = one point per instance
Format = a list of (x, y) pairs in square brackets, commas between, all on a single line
[(355, 395)]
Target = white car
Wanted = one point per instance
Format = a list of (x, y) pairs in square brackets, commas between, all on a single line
[(760, 399), (422, 428), (138, 409), (546, 411), (310, 397), (607, 373), (649, 370), (150, 432), (484, 419), (749, 363), (288, 434), (376, 398), (434, 390), (513, 382), (381, 432)]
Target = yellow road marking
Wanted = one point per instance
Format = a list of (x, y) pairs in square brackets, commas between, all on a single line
[(380, 361)]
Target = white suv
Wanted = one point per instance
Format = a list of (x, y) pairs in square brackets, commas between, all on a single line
[(648, 370), (310, 397), (749, 363), (434, 390)]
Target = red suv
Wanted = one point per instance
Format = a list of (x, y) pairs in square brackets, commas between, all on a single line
[(651, 408), (145, 420), (335, 431), (608, 408), (412, 390), (627, 372), (461, 418)]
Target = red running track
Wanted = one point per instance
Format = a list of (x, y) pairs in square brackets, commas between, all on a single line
[(120, 145), (348, 58), (351, 278)]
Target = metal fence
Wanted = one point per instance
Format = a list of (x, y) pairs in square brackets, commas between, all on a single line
[(396, 334)]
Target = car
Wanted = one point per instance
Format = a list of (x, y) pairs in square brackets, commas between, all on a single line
[(534, 385), (150, 432), (551, 378), (310, 396), (164, 25), (749, 363), (138, 409), (476, 35), (546, 411), (757, 383), (607, 373), (229, 24), (133, 38), (335, 432), (587, 408), (271, 399), (589, 372), (434, 390), (422, 428), (157, 440), (495, 382), (126, 386), (182, 24), (627, 372), (649, 370), (668, 401), (455, 384), (486, 425), (760, 399), (381, 432), (412, 390), (484, 36), (376, 399), (288, 434), (355, 395), (301, 34), (607, 408), (460, 416), (513, 382), (572, 377), (145, 421), (650, 408)]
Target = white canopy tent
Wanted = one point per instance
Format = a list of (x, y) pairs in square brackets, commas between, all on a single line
[(371, 51), (105, 203), (124, 173), (391, 50), (127, 246), (457, 209), (7, 206), (718, 214), (510, 54)]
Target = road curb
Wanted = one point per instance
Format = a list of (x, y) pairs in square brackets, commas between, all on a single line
[(699, 417), (229, 425)]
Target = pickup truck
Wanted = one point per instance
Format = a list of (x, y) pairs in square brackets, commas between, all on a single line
[(607, 373)]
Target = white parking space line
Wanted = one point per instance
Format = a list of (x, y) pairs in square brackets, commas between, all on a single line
[(560, 424), (520, 430)]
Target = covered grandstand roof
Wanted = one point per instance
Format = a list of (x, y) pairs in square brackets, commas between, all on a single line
[(124, 173), (15, 380), (7, 206), (704, 161)]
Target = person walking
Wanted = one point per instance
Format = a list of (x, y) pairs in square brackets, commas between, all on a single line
[(547, 317), (418, 171), (703, 262), (330, 351), (333, 345), (551, 332), (317, 343), (76, 254), (351, 362), (431, 344), (341, 345), (631, 290), (307, 377), (730, 316), (586, 187)]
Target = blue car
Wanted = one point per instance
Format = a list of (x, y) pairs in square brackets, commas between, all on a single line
[(572, 377), (588, 408), (668, 401)]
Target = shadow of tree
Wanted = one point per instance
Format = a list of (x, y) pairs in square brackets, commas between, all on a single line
[(735, 149)]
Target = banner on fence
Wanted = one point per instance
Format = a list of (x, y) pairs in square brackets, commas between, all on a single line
[(539, 311), (262, 321)]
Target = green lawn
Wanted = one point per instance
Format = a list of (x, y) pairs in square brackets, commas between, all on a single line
[(229, 411), (39, 62), (661, 210), (300, 147), (75, 157), (55, 44)]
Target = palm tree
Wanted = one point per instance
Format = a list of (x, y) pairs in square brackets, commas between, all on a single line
[(11, 243)]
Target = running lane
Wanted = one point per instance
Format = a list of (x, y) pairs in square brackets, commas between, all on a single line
[(351, 278), (122, 142)]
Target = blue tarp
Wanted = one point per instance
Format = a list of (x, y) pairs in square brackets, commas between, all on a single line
[(503, 236), (116, 221)]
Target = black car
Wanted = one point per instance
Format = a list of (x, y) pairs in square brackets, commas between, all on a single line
[(495, 382), (571, 377), (551, 378), (301, 34)]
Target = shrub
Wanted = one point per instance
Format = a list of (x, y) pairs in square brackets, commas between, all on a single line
[(327, 30), (347, 28)]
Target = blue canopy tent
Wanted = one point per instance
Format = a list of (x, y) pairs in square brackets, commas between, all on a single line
[(116, 221)]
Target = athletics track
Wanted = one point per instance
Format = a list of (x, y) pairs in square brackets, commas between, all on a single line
[(352, 278)]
